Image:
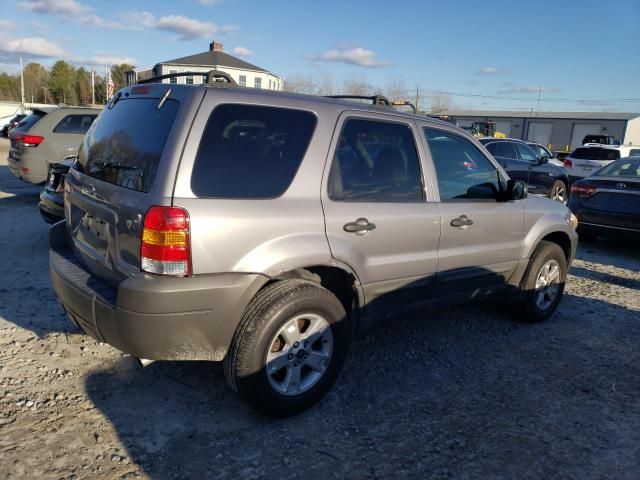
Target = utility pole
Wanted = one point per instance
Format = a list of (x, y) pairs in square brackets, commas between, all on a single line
[(539, 95), (93, 87), (21, 86), (417, 99)]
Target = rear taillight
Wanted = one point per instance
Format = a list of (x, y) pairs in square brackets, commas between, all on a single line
[(28, 140), (165, 242), (568, 163), (583, 189)]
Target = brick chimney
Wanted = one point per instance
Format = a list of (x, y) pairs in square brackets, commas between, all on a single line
[(216, 47)]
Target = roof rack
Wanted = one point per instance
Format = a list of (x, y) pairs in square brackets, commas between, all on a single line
[(375, 99), (214, 77)]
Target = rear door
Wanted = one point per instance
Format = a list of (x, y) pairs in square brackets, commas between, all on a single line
[(126, 163), (481, 238), (379, 219)]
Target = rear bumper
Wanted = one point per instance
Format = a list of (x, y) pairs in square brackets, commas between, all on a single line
[(149, 316), (32, 175), (51, 206)]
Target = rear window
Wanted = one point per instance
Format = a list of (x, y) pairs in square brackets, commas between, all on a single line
[(595, 153), (627, 167), (250, 151), (30, 120), (125, 143), (77, 124)]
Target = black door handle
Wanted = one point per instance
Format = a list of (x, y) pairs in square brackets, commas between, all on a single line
[(359, 227), (462, 222)]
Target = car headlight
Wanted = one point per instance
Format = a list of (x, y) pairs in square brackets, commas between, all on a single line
[(572, 220)]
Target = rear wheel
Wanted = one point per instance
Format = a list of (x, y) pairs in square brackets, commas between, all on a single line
[(289, 348), (558, 192), (542, 284)]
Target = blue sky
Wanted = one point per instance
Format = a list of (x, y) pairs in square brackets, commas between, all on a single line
[(582, 55)]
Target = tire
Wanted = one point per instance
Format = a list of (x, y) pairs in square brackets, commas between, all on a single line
[(260, 334), (559, 192), (527, 305)]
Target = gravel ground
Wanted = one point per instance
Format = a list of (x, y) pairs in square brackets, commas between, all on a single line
[(462, 392)]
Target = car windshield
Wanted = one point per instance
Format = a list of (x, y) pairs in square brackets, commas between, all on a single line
[(627, 167), (595, 153)]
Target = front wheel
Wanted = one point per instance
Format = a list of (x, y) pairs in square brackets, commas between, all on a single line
[(542, 284), (558, 192), (289, 348)]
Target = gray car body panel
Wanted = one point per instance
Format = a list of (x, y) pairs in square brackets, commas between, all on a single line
[(239, 245), (55, 147)]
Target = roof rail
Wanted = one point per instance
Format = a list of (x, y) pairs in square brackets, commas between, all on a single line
[(404, 103), (214, 77), (375, 99)]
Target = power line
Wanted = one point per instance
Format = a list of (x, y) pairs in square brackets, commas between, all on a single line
[(527, 99)]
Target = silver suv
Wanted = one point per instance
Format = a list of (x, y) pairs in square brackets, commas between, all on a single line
[(47, 135), (263, 229)]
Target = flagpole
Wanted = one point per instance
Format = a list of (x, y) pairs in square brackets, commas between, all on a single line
[(106, 81)]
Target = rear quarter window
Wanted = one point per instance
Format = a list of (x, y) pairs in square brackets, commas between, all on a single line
[(76, 124), (250, 151), (124, 144)]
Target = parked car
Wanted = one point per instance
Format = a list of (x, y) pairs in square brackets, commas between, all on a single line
[(263, 229), (8, 124), (609, 200), (44, 136), (544, 152), (586, 160), (51, 198), (522, 163)]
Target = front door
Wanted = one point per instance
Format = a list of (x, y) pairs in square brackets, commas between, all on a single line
[(481, 238), (378, 219)]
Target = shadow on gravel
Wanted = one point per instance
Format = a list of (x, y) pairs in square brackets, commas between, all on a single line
[(606, 278), (14, 186), (614, 251), (452, 393)]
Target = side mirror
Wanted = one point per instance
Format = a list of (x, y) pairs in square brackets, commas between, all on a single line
[(516, 190), (544, 159)]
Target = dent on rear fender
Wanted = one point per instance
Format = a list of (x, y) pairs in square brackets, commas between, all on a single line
[(286, 253)]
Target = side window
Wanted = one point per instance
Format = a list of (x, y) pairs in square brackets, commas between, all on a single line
[(502, 150), (526, 153), (77, 124), (463, 171), (375, 161), (173, 80), (250, 151), (242, 81)]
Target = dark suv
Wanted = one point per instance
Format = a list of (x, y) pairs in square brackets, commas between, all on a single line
[(263, 229), (522, 163)]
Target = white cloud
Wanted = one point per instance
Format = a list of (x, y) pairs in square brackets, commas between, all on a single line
[(6, 25), (111, 60), (33, 46), (187, 28), (208, 2), (353, 56), (242, 52), (491, 71), (55, 7)]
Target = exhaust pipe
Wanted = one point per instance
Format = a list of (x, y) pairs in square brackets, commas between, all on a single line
[(144, 362)]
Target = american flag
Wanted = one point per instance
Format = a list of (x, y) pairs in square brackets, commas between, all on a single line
[(110, 85)]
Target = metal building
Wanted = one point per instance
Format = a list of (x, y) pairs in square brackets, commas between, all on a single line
[(561, 131)]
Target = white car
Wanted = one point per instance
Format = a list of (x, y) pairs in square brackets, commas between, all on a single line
[(585, 160)]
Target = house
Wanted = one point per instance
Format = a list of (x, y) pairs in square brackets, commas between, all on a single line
[(244, 73), (561, 131)]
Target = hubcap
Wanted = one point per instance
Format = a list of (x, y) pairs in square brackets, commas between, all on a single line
[(559, 194), (299, 354), (547, 284)]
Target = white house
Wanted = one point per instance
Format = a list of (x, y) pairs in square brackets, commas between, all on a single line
[(244, 73)]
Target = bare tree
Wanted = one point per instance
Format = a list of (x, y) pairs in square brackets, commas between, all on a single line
[(440, 102), (356, 85), (300, 84), (396, 90)]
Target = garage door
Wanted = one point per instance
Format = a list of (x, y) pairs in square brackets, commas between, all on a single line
[(504, 126), (540, 132), (580, 130)]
